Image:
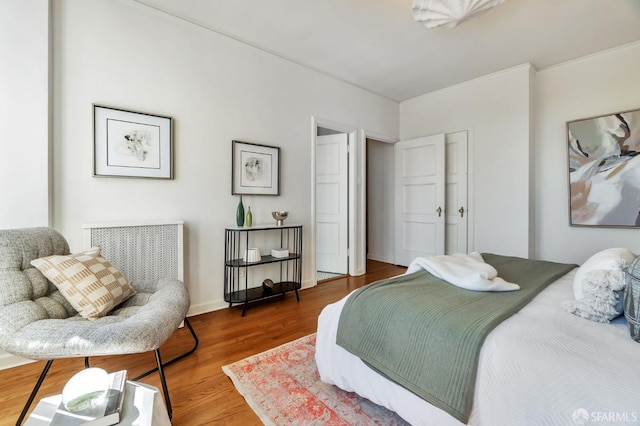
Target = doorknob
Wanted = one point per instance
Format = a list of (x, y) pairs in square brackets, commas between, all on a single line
[(461, 211), (439, 210)]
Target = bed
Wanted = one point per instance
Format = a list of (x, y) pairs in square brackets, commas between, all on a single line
[(541, 365)]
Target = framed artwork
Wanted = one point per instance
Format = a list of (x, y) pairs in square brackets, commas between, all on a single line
[(255, 169), (604, 170), (132, 144)]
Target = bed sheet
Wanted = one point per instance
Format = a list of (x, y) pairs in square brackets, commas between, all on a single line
[(540, 366)]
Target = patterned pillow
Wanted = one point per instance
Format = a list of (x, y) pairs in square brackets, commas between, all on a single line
[(87, 280)]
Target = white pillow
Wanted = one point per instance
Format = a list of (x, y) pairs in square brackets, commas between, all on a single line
[(613, 259), (598, 286)]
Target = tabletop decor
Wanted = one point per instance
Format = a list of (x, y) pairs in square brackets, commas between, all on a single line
[(280, 216), (132, 144), (240, 213)]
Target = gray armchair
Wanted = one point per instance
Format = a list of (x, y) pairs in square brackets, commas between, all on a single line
[(37, 322)]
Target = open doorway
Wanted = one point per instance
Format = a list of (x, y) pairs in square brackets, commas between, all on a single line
[(379, 200), (356, 210), (331, 203)]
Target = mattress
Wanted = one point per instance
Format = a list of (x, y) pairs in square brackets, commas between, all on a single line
[(540, 366)]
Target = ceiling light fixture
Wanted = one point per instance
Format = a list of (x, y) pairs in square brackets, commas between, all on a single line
[(449, 13)]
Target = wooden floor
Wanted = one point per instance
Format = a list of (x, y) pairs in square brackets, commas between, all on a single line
[(201, 394)]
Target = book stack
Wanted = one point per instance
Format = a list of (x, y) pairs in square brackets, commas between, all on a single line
[(279, 252), (105, 413)]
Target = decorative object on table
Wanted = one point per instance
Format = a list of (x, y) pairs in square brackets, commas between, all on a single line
[(132, 144), (249, 221), (273, 381), (279, 252), (632, 300), (603, 168), (279, 216), (240, 213), (142, 405), (255, 169), (251, 255), (80, 408), (449, 13), (267, 285), (85, 390)]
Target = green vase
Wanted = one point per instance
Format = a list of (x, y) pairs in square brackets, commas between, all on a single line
[(240, 213), (249, 220)]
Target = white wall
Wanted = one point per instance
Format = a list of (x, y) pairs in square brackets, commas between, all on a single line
[(495, 109), (380, 201), (123, 54), (599, 84), (24, 113)]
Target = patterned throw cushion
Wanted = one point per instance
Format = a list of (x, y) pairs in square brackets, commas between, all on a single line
[(598, 285), (87, 280)]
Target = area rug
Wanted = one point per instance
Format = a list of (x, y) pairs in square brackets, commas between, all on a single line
[(283, 387)]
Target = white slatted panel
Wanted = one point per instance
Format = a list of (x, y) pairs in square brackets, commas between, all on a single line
[(142, 250)]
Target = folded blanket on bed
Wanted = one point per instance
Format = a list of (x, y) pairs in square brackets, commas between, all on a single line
[(426, 334), (468, 271)]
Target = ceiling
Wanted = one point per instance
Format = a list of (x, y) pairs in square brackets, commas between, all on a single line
[(376, 44)]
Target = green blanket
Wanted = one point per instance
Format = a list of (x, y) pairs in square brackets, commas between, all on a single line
[(426, 334)]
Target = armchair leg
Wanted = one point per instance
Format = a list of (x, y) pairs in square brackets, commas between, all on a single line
[(161, 365), (167, 401), (179, 357), (34, 392)]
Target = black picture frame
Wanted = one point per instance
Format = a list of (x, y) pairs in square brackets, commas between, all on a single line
[(131, 144), (255, 169)]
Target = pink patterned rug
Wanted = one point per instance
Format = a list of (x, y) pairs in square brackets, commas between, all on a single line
[(283, 387)]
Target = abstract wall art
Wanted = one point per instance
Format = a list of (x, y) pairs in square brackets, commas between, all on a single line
[(604, 170)]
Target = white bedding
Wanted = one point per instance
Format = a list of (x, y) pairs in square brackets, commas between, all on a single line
[(468, 271), (541, 366)]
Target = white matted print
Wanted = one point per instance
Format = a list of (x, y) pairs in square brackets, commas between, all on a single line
[(255, 169), (132, 144)]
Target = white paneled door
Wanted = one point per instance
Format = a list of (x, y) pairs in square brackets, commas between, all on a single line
[(419, 198), (332, 215), (457, 213)]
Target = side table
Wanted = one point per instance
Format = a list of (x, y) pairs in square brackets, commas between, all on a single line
[(143, 406)]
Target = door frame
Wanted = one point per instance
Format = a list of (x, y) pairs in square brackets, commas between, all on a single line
[(356, 220), (379, 138)]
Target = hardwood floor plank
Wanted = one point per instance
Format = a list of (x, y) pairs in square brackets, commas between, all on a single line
[(201, 394)]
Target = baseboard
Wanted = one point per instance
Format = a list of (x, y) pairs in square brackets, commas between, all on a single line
[(9, 361), (203, 308), (378, 258)]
